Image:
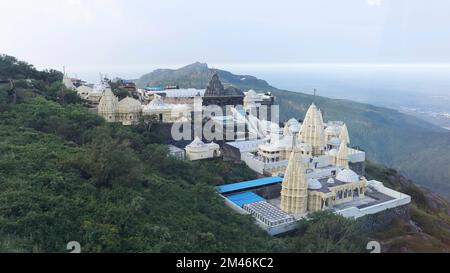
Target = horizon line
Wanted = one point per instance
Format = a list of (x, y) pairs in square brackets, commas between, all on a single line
[(219, 65)]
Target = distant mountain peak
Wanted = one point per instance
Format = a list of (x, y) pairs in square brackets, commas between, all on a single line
[(198, 75), (196, 65)]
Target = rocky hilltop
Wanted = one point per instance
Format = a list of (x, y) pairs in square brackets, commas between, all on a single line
[(198, 75)]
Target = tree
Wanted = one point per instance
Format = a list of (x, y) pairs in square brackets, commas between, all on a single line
[(107, 161), (326, 232)]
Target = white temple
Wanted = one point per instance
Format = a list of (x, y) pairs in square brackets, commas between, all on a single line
[(166, 112), (308, 167), (199, 150), (129, 110)]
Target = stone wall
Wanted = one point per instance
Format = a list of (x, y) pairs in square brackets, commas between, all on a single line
[(270, 192), (378, 221), (231, 153)]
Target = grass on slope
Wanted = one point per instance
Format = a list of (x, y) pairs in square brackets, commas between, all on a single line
[(430, 215)]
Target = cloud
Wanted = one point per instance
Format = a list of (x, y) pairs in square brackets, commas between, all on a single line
[(125, 33)]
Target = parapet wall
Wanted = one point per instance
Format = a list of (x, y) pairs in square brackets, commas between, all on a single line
[(379, 221)]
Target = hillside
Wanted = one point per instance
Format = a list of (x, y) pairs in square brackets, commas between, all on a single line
[(67, 175), (429, 228), (406, 143)]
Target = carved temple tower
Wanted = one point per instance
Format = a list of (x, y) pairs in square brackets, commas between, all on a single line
[(294, 193)]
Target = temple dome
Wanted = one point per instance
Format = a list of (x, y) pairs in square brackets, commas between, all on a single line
[(314, 184), (129, 105), (347, 176), (197, 143), (331, 181), (156, 104), (335, 141), (293, 121), (294, 126)]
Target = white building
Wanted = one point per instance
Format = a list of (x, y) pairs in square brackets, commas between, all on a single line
[(177, 153), (166, 112), (199, 150)]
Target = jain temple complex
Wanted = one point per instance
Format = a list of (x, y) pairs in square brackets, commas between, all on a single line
[(305, 166)]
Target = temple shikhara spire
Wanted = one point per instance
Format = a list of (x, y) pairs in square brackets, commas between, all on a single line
[(342, 156), (313, 131), (107, 107), (344, 136), (294, 193)]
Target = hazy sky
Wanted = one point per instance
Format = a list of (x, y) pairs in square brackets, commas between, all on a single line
[(92, 34)]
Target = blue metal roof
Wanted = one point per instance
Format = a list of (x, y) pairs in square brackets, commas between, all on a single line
[(154, 88), (249, 184), (245, 198)]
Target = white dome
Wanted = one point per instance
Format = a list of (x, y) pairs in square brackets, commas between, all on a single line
[(347, 176), (294, 126), (157, 104), (335, 141), (314, 184), (129, 105), (293, 121), (197, 143), (333, 152), (330, 181)]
